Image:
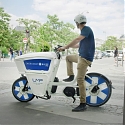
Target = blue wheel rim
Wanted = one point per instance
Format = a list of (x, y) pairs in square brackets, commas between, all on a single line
[(103, 93), (22, 96)]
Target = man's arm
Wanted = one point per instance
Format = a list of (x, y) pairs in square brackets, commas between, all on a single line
[(75, 42), (75, 46)]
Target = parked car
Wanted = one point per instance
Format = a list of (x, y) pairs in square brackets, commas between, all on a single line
[(105, 54), (98, 55), (110, 52), (120, 55)]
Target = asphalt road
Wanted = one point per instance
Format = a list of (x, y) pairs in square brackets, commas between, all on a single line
[(58, 110)]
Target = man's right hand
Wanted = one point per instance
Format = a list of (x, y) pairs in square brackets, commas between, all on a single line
[(62, 48)]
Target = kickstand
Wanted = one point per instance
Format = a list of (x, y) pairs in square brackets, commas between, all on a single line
[(74, 99)]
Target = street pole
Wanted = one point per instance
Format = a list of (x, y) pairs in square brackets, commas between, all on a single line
[(105, 39), (124, 103), (27, 36), (124, 88), (122, 60), (0, 54)]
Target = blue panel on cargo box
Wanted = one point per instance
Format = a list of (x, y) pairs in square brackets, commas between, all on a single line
[(37, 64)]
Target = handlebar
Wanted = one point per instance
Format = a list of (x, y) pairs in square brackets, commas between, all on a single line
[(57, 52), (56, 48)]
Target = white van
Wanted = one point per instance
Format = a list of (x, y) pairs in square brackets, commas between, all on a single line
[(110, 52)]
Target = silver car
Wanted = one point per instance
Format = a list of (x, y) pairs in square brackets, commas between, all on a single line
[(98, 55)]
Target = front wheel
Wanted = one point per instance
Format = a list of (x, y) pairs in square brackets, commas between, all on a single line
[(21, 91), (98, 89)]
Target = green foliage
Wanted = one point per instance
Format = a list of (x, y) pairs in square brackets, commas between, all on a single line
[(53, 32), (16, 39), (56, 32), (42, 47), (8, 36), (45, 47), (33, 27), (110, 43), (4, 28), (4, 50)]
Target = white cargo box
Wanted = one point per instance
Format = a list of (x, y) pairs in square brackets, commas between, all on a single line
[(38, 62), (38, 83)]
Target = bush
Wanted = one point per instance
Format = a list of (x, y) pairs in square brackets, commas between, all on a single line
[(4, 50), (45, 49)]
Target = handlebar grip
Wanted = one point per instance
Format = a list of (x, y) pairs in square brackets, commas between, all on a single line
[(56, 48), (61, 46)]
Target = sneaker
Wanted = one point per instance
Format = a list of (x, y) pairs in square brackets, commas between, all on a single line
[(71, 78), (80, 108)]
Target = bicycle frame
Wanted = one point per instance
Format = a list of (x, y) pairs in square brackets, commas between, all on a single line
[(39, 72), (45, 89)]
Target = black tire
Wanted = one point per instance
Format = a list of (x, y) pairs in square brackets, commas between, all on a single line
[(18, 92), (102, 91)]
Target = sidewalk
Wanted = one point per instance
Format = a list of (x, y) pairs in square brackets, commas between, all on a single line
[(6, 60)]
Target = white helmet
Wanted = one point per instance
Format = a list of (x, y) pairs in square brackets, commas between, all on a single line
[(80, 19)]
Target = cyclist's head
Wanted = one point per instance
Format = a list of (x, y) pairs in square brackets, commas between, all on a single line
[(80, 19)]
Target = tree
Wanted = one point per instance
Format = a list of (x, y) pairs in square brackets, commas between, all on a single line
[(4, 28), (56, 32), (50, 33), (31, 29), (16, 39), (109, 43)]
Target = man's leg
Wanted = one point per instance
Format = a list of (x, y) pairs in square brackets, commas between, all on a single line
[(69, 62), (11, 57), (81, 72)]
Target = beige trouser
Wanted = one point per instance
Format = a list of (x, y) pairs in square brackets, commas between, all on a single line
[(81, 71)]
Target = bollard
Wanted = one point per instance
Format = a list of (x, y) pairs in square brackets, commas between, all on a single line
[(122, 60), (0, 55), (124, 64), (3, 56), (124, 103), (117, 61), (124, 88)]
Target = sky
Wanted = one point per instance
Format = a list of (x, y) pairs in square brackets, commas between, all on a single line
[(105, 17)]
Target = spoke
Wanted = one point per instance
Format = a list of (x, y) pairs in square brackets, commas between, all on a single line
[(95, 80), (93, 99), (19, 94), (21, 83), (103, 86), (87, 84), (102, 95), (17, 88), (29, 91), (26, 96), (87, 93)]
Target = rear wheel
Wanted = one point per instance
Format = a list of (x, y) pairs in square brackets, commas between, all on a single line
[(98, 93), (21, 90)]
